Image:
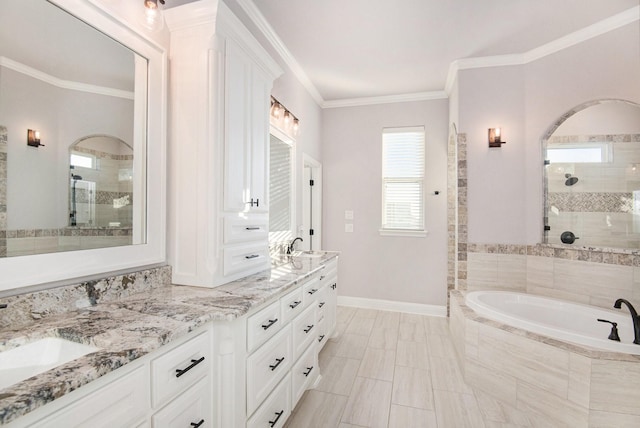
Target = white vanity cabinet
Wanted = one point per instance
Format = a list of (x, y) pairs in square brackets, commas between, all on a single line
[(168, 386), (221, 80)]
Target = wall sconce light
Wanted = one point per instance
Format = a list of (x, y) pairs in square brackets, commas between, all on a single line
[(283, 118), (495, 137), (152, 15), (33, 138)]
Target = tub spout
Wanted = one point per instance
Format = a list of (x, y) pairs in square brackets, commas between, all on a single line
[(634, 317)]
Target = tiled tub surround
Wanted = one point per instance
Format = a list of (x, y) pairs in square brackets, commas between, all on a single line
[(127, 317), (3, 189), (39, 241), (584, 275), (557, 383)]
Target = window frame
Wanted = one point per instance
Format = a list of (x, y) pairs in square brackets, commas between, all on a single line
[(385, 230)]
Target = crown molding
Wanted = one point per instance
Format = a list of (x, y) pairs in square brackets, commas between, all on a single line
[(386, 99), (606, 25), (61, 83), (599, 28), (267, 30)]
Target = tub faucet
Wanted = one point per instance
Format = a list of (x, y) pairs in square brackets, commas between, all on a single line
[(290, 247), (634, 317)]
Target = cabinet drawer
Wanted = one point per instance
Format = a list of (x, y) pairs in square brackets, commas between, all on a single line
[(263, 324), (322, 334), (242, 229), (322, 301), (192, 408), (123, 402), (303, 373), (267, 366), (310, 288), (292, 304), (304, 330), (241, 257), (180, 368), (276, 409)]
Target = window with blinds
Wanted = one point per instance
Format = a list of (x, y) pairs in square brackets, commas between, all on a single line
[(403, 179)]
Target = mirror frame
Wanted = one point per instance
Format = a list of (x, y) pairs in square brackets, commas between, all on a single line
[(545, 179), (58, 268)]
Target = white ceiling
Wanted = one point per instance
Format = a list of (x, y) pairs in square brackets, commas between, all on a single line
[(371, 48)]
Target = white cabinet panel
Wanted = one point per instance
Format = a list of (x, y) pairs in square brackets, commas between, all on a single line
[(304, 330), (190, 410), (123, 402), (304, 372), (276, 409), (267, 366), (242, 257), (245, 227), (292, 304), (263, 324)]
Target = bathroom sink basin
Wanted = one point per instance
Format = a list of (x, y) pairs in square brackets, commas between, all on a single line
[(312, 254), (18, 364)]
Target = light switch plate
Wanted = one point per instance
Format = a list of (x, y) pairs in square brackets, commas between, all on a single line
[(348, 227), (348, 215)]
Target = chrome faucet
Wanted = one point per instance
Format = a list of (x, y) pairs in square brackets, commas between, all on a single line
[(634, 317), (290, 247)]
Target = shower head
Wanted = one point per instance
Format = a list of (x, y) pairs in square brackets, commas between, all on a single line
[(570, 180)]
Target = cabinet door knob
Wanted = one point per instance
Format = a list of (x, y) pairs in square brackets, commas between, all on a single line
[(271, 322), (197, 424), (275, 421), (180, 372)]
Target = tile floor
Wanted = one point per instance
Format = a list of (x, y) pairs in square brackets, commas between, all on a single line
[(396, 370)]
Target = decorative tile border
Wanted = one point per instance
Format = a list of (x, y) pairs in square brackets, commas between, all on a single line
[(3, 189), (592, 202), (102, 155), (461, 216), (587, 254), (602, 138)]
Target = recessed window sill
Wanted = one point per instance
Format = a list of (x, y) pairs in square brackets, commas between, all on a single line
[(403, 232)]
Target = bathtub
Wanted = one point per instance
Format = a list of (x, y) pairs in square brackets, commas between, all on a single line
[(558, 319)]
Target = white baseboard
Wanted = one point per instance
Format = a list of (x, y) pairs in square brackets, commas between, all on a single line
[(391, 305)]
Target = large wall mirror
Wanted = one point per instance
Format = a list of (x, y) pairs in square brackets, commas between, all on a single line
[(592, 176), (81, 143)]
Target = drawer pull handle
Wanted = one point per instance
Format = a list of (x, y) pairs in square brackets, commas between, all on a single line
[(294, 304), (321, 304), (180, 372), (252, 256), (306, 374), (196, 425), (321, 338), (308, 329), (334, 285), (271, 322), (252, 228), (275, 366), (322, 277), (275, 421), (313, 291), (252, 203)]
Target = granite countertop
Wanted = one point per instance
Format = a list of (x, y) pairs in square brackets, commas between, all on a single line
[(127, 328)]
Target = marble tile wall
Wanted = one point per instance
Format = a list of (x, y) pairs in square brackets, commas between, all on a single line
[(587, 276), (557, 384), (3, 190)]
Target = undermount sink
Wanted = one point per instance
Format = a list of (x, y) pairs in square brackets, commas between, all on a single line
[(18, 364), (312, 254)]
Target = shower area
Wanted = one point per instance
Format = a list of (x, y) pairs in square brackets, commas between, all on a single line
[(592, 180)]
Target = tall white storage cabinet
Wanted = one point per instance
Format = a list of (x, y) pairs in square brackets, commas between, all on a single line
[(220, 86)]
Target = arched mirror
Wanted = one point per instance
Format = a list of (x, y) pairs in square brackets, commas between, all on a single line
[(592, 176)]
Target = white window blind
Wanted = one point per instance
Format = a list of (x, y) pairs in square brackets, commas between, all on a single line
[(403, 179)]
